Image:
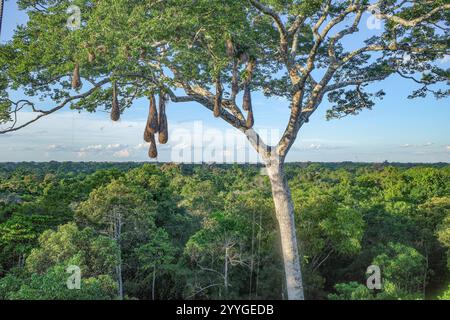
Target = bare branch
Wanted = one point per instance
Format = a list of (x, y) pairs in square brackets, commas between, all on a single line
[(44, 113), (414, 22), (343, 33), (178, 99), (319, 39), (354, 82), (321, 20), (295, 30), (299, 20), (203, 289)]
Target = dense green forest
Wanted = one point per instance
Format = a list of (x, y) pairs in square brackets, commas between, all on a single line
[(141, 231)]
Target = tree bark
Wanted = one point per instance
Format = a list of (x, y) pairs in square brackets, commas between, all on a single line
[(284, 209), (119, 280), (117, 231)]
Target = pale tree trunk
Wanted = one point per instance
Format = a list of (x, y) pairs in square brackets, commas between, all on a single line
[(284, 209), (119, 281), (117, 234)]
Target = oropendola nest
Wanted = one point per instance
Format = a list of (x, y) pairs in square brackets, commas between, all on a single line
[(153, 125), (218, 98), (152, 151), (156, 124), (76, 80), (163, 135), (230, 48), (91, 56), (115, 110)]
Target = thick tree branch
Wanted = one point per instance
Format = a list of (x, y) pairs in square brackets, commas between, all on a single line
[(278, 22), (375, 47), (343, 33), (320, 37), (295, 123)]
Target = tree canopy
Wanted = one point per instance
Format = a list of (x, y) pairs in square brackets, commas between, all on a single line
[(174, 247), (210, 51)]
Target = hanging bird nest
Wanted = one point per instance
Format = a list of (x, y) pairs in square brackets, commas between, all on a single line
[(147, 135), (153, 125), (152, 151), (251, 65), (156, 123), (115, 110), (127, 52), (163, 135), (101, 49), (76, 80), (230, 48), (218, 98), (142, 53), (91, 56)]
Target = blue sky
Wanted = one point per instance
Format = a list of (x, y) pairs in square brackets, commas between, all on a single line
[(397, 129)]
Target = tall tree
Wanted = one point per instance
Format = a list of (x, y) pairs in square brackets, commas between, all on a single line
[(156, 256), (210, 51), (216, 249), (115, 210)]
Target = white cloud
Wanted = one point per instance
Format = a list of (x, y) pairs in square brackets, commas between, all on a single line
[(115, 146), (408, 145), (141, 146), (314, 146), (96, 147), (122, 154), (82, 154), (320, 146), (416, 146), (56, 148)]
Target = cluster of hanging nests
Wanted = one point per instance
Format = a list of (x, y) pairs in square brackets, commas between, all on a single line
[(238, 55), (157, 119)]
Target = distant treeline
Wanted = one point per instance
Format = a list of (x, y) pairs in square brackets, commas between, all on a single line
[(88, 167)]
